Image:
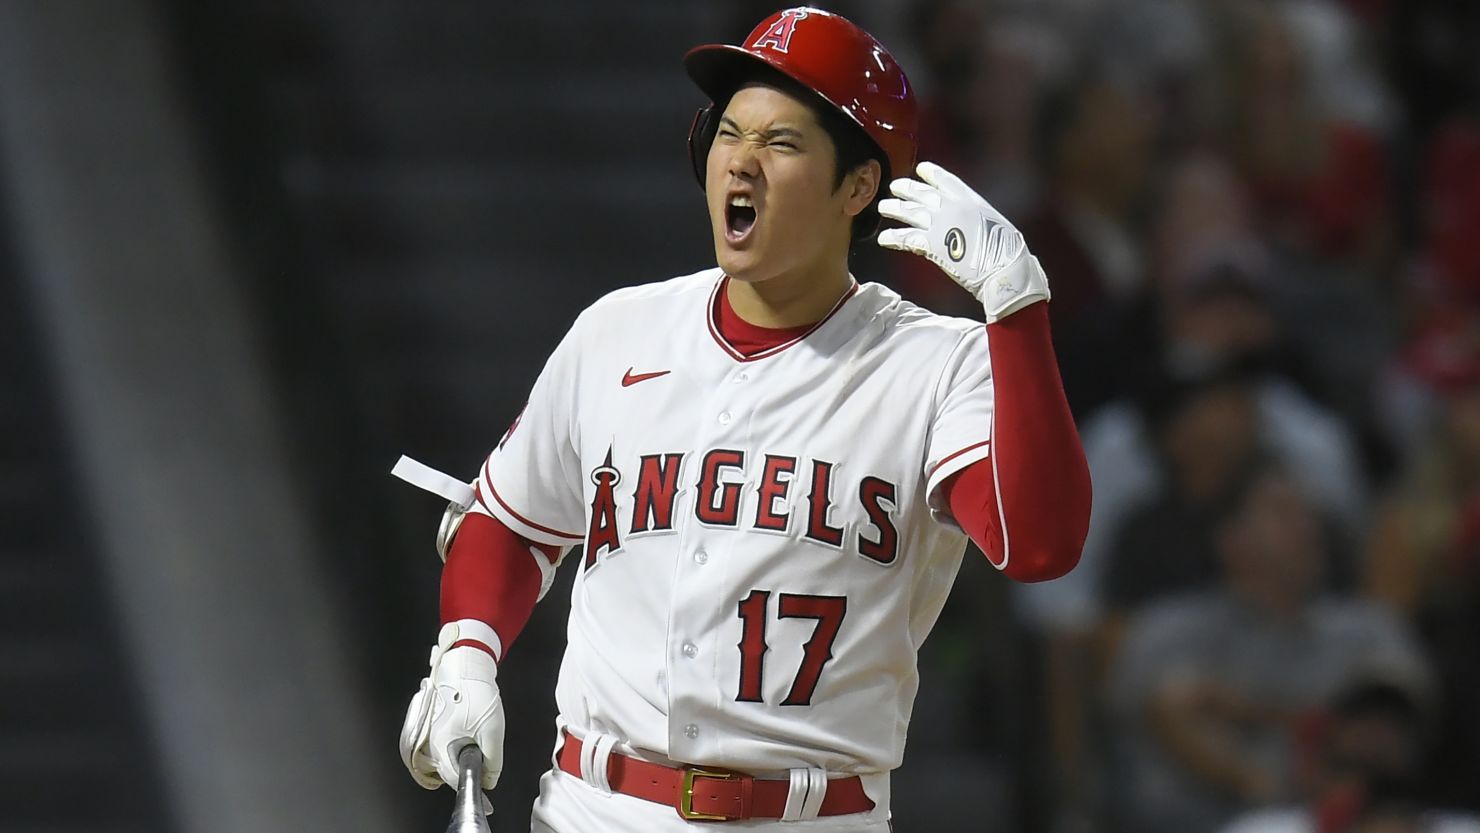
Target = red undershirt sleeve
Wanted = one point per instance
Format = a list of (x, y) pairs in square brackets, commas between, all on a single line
[(1028, 503), (491, 575)]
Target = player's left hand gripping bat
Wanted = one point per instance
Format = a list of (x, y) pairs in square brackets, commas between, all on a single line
[(468, 814)]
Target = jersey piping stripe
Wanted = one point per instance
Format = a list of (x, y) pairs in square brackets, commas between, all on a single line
[(1001, 512), (478, 496), (935, 468), (769, 351), (531, 524), (520, 518)]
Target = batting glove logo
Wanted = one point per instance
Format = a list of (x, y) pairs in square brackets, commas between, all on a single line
[(955, 245)]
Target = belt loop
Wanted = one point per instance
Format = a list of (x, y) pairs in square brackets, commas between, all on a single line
[(817, 782), (796, 796), (804, 798), (596, 751)]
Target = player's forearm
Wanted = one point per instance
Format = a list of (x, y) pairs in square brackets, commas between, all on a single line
[(1028, 504), (491, 576)]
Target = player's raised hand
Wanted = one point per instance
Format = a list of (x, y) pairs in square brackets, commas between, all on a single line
[(458, 699), (953, 227)]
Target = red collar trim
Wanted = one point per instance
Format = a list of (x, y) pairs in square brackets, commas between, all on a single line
[(714, 330)]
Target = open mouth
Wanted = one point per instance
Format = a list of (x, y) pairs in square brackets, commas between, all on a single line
[(740, 216)]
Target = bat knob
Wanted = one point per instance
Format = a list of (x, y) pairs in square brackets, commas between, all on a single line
[(467, 815)]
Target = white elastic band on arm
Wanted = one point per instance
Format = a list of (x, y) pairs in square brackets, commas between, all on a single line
[(425, 477), (474, 629)]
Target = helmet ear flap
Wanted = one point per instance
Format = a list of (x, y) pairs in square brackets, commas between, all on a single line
[(701, 136)]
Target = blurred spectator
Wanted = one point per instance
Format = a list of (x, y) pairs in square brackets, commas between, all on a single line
[(1382, 810), (1442, 356), (1226, 309), (1197, 238), (1211, 325), (1207, 433), (1443, 291), (1300, 312), (1339, 55), (947, 35), (1452, 210), (1019, 59), (1208, 686), (1404, 817), (1367, 753), (1125, 450), (1201, 215), (1168, 459), (1424, 561), (1095, 135), (1319, 183)]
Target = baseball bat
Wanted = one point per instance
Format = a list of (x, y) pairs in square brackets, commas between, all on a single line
[(467, 813)]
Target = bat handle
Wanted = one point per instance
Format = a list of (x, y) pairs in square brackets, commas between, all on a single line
[(467, 815)]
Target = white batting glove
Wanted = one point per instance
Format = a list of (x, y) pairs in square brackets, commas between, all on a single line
[(458, 699), (953, 227)]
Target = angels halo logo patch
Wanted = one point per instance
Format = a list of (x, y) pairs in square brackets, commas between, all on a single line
[(955, 245)]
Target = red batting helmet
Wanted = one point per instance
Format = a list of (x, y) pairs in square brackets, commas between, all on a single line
[(827, 54)]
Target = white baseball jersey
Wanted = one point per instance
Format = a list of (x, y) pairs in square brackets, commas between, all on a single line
[(762, 560)]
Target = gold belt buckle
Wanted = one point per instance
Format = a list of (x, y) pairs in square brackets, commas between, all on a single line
[(686, 798)]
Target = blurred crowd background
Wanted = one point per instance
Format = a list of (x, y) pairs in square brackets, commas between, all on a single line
[(252, 250)]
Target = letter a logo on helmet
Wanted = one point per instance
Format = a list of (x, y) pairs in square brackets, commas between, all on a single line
[(778, 36)]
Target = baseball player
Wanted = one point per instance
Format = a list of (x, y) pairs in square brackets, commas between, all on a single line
[(773, 468)]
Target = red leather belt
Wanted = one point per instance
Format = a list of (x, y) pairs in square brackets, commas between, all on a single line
[(712, 795)]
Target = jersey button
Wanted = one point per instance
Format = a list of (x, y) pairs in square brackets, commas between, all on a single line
[(690, 650), (691, 731), (701, 557), (724, 417)]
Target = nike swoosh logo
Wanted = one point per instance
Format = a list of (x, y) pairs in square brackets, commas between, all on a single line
[(629, 378)]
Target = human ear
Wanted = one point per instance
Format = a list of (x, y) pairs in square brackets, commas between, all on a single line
[(863, 185)]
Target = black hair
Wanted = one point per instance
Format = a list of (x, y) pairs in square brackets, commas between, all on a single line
[(1165, 391), (1377, 698), (854, 149), (1227, 281), (1236, 497)]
